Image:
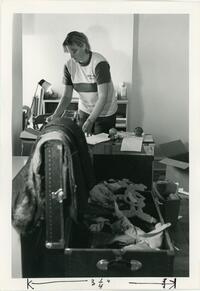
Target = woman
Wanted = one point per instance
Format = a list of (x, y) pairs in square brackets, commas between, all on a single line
[(88, 73)]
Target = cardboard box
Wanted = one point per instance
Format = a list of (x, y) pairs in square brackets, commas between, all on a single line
[(177, 163)]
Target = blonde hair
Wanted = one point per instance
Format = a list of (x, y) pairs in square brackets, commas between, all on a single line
[(78, 38)]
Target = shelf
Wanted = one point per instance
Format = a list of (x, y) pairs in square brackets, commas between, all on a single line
[(51, 100), (120, 125), (49, 106), (121, 119), (75, 100), (125, 101)]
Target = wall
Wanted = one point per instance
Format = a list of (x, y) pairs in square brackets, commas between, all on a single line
[(0, 45), (43, 56), (16, 122), (151, 55), (17, 84), (160, 76)]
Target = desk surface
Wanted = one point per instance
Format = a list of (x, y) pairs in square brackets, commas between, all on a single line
[(114, 148)]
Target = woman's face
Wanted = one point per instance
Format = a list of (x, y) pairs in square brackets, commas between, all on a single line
[(78, 53)]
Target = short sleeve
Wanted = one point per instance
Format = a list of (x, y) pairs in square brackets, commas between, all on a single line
[(66, 76), (102, 72)]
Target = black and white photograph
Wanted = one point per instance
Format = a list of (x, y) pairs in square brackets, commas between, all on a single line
[(100, 145)]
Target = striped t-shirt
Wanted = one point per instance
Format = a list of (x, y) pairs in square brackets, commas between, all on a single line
[(85, 77)]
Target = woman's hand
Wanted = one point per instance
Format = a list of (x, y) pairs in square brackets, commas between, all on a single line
[(87, 127), (63, 103)]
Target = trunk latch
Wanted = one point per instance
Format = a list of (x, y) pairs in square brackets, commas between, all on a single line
[(58, 195)]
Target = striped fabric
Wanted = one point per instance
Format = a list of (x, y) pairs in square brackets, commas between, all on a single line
[(85, 80), (84, 87)]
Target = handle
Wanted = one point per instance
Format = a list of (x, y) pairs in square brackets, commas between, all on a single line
[(104, 264)]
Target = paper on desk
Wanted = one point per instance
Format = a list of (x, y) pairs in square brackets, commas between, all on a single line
[(97, 138), (132, 143), (29, 133)]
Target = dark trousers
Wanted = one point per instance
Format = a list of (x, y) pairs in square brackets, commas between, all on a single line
[(101, 124)]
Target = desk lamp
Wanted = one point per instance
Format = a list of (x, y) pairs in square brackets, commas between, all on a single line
[(46, 86), (36, 106)]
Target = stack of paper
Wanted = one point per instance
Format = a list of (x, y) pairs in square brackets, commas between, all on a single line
[(97, 138), (29, 133), (148, 138), (132, 143)]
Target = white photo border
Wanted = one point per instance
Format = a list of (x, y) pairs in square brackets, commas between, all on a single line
[(8, 9)]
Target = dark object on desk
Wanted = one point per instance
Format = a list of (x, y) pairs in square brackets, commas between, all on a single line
[(138, 131), (41, 119), (112, 133), (26, 112)]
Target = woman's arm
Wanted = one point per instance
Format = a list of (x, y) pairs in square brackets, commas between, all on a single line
[(102, 98), (64, 102)]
